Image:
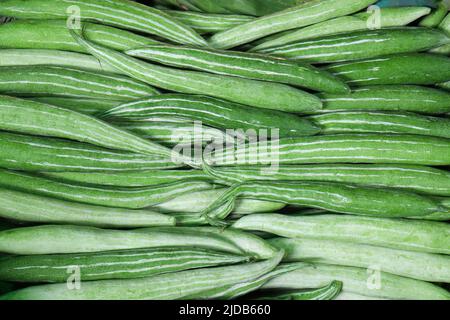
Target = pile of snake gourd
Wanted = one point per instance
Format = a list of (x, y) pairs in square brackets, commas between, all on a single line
[(96, 204)]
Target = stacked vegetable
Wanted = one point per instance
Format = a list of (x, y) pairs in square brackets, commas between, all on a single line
[(99, 101)]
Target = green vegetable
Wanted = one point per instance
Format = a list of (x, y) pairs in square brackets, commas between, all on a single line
[(389, 98), (198, 201), (207, 22), (389, 17), (16, 57), (174, 133), (130, 179), (21, 206), (436, 17), (36, 118), (53, 34), (302, 15), (21, 152), (251, 92), (413, 68), (361, 45), (120, 13), (420, 236), (245, 65), (334, 197), (416, 265), (243, 288), (326, 293), (345, 148), (410, 177), (359, 281), (59, 81), (87, 106), (382, 122), (212, 112), (52, 239), (111, 265), (132, 198), (161, 287)]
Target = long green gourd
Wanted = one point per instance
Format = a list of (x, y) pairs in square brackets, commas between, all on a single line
[(416, 265), (120, 13), (28, 207), (174, 133), (334, 197), (388, 17), (361, 45), (302, 15), (249, 92), (124, 264), (415, 178), (36, 118), (381, 284), (15, 57), (141, 178), (43, 80), (382, 122), (389, 98), (169, 286), (54, 35), (207, 22), (444, 26), (343, 148), (132, 198), (82, 105), (429, 69), (429, 236), (31, 153), (212, 112), (436, 17), (241, 64), (196, 202)]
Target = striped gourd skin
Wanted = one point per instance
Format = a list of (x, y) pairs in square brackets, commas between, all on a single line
[(196, 202), (132, 198), (382, 122), (121, 13), (112, 265), (21, 152), (389, 98), (212, 112), (24, 116), (416, 265), (27, 207), (394, 69), (429, 236), (53, 34), (208, 23), (348, 148), (52, 239), (170, 286), (245, 91), (70, 83), (361, 45), (415, 178), (389, 17), (173, 133), (86, 106), (243, 288), (299, 16), (340, 198), (240, 64), (15, 57), (355, 282), (128, 179), (329, 292)]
